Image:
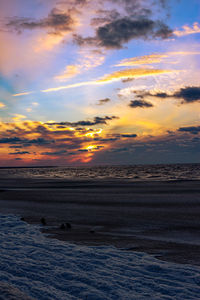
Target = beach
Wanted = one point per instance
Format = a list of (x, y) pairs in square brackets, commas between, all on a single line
[(156, 217)]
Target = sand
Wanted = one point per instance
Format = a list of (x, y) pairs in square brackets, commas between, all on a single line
[(160, 218)]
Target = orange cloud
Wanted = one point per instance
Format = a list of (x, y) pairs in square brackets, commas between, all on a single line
[(132, 73), (146, 59), (2, 105), (153, 58), (18, 118), (29, 140)]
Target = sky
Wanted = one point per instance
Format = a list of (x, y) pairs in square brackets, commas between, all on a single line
[(87, 82)]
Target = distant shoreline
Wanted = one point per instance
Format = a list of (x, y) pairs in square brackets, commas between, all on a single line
[(28, 167), (100, 165)]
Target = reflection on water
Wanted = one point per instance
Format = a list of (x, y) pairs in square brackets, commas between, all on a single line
[(134, 172)]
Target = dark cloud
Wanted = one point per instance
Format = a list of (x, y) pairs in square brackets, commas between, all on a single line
[(82, 41), (57, 21), (116, 33), (115, 27), (139, 7), (160, 95), (129, 135), (105, 140), (140, 103), (127, 80), (187, 94), (13, 140), (96, 121), (122, 30), (55, 153), (83, 150), (177, 148), (15, 147), (19, 153), (26, 142), (115, 137), (103, 101), (190, 129)]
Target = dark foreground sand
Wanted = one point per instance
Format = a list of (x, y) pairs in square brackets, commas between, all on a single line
[(160, 218)]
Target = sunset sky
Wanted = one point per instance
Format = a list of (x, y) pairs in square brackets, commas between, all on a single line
[(99, 82)]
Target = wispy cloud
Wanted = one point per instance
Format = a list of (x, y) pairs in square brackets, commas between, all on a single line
[(88, 59), (69, 72), (186, 30), (22, 94), (57, 21), (115, 76), (153, 58), (18, 117), (103, 101), (132, 73), (2, 105), (69, 86)]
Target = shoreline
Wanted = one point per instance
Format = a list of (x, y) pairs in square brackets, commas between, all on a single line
[(159, 218)]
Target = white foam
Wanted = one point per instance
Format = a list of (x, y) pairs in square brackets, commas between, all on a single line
[(35, 267)]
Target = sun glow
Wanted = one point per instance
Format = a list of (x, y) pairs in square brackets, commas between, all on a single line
[(91, 147), (91, 134)]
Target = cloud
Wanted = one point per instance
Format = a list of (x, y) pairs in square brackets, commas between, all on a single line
[(129, 135), (115, 76), (2, 105), (132, 73), (140, 103), (70, 86), (191, 129), (142, 60), (114, 34), (153, 58), (104, 17), (96, 121), (22, 94), (70, 71), (88, 59), (103, 101), (186, 30), (123, 21), (18, 117), (57, 22), (178, 147), (19, 153), (13, 140), (187, 94), (26, 142), (56, 153), (62, 144)]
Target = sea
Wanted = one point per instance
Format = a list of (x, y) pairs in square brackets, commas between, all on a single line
[(161, 172), (36, 267)]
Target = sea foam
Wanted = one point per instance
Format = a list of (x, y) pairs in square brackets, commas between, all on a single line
[(36, 267)]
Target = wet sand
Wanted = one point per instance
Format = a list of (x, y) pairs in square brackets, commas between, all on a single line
[(160, 218)]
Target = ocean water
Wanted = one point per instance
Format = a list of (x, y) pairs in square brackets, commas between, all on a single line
[(33, 266), (132, 172)]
